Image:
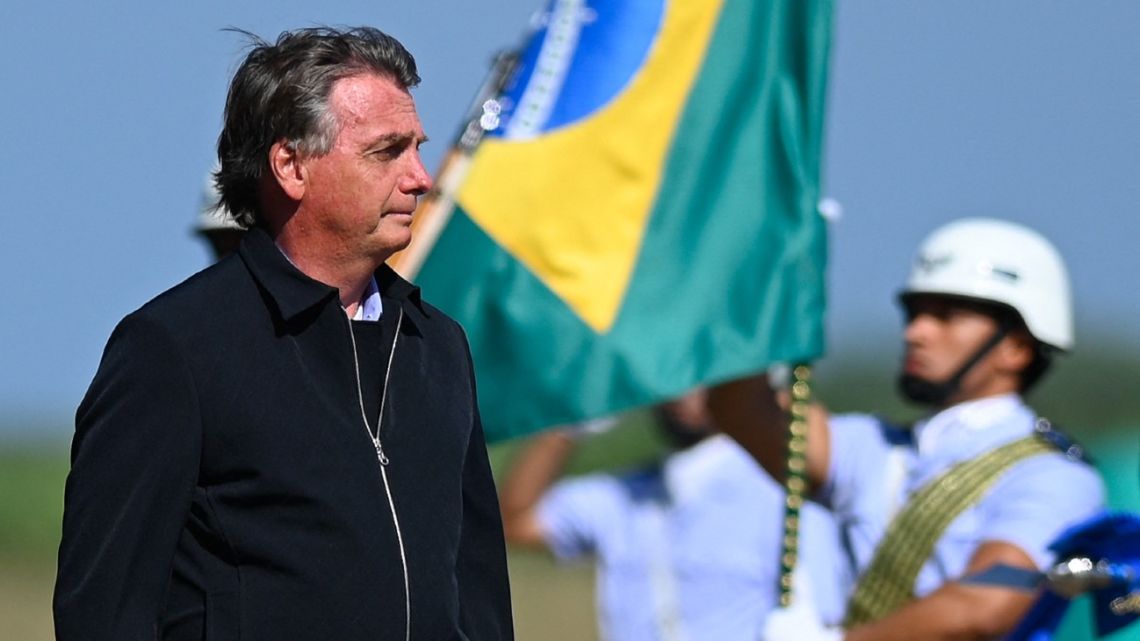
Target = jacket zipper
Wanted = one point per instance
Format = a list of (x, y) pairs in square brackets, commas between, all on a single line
[(383, 459)]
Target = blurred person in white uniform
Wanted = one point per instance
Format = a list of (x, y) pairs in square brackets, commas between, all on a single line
[(688, 549)]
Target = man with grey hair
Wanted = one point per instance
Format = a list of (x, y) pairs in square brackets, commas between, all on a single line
[(287, 445)]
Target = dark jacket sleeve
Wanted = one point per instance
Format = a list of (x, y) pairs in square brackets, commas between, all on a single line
[(134, 464), (484, 589)]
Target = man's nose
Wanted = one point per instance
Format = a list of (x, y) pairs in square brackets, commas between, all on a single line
[(918, 327), (417, 181)]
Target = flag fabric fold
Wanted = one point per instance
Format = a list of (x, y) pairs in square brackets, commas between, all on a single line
[(643, 218)]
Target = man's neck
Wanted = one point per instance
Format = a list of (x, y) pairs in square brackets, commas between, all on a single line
[(955, 424), (991, 392), (332, 266), (977, 403)]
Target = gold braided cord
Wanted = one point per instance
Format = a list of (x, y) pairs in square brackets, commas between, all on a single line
[(795, 482), (888, 582)]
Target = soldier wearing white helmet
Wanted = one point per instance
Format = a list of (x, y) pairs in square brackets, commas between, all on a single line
[(1005, 270), (216, 225), (980, 482)]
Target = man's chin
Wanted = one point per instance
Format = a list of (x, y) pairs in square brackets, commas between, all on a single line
[(923, 391), (395, 246)]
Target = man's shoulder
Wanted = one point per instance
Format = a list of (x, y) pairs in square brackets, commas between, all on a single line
[(441, 322), (595, 496), (1060, 484), (438, 315), (870, 427), (394, 286), (202, 295), (1056, 469), (1066, 463)]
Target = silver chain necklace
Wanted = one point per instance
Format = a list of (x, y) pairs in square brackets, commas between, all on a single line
[(375, 436)]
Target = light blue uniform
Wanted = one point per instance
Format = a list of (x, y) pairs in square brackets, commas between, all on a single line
[(690, 551), (874, 467)]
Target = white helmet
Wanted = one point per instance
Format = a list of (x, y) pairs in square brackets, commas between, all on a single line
[(1001, 262), (211, 215)]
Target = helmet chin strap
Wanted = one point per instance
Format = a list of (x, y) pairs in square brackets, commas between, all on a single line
[(927, 392)]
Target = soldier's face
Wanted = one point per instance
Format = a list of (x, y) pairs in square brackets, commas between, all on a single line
[(941, 335)]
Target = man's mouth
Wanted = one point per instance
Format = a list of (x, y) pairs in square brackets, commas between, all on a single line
[(912, 365)]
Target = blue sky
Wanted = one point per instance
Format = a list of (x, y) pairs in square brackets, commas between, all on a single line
[(1021, 109)]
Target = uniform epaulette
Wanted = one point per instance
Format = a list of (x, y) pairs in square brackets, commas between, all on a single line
[(896, 433), (1066, 444)]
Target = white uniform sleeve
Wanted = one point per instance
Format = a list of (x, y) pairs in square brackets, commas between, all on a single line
[(1038, 499), (858, 453), (576, 514)]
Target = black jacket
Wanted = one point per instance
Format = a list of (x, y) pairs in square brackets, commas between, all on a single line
[(223, 485)]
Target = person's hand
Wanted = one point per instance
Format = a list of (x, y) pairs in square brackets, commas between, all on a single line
[(800, 621), (798, 624)]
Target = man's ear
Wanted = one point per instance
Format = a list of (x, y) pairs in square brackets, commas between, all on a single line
[(286, 167), (1017, 350)]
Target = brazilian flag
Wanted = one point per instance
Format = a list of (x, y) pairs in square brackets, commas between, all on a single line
[(644, 217)]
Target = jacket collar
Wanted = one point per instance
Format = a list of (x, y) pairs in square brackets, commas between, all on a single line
[(292, 292)]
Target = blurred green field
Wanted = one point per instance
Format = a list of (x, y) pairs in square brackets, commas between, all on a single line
[(552, 603), (31, 502)]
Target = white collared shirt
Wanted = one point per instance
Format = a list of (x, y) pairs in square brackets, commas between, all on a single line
[(371, 307)]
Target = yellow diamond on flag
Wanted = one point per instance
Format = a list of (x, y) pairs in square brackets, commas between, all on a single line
[(572, 204)]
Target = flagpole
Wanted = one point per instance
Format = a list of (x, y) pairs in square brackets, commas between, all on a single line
[(795, 483), (435, 208)]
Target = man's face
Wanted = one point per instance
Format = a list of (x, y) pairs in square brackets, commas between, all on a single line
[(362, 193), (686, 420), (941, 335)]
